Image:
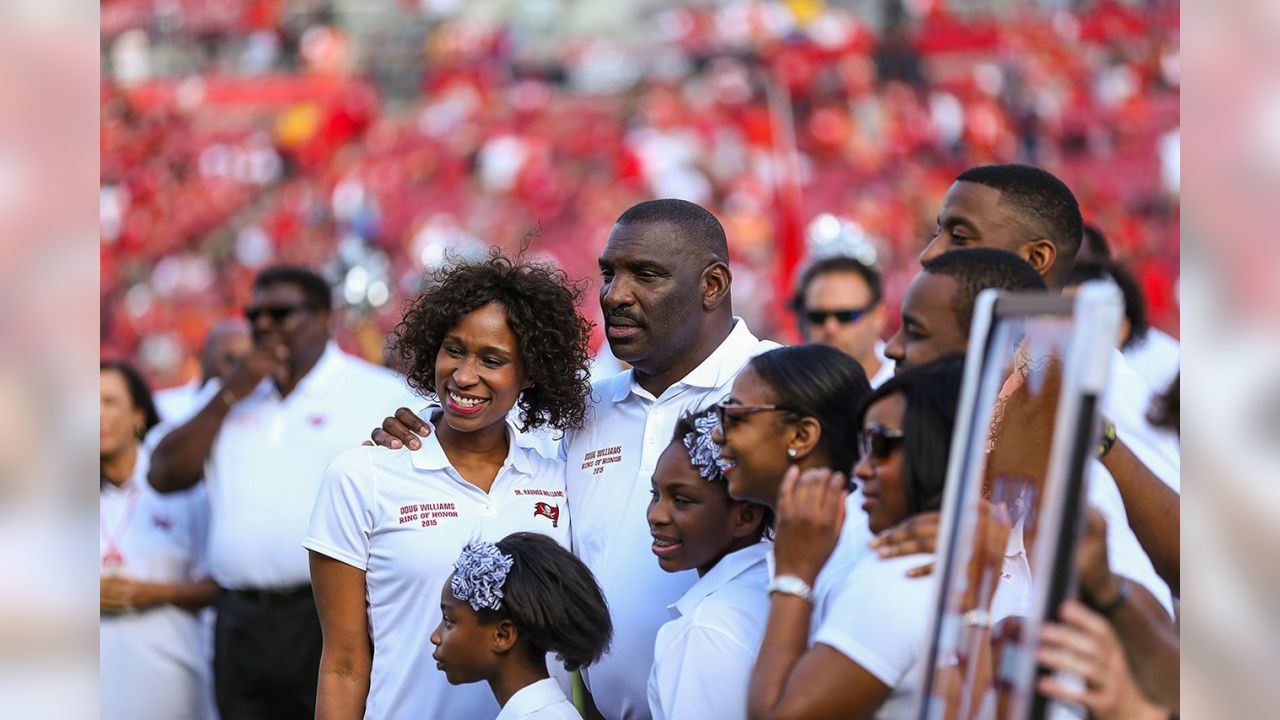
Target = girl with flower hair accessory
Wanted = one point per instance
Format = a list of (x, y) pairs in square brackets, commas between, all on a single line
[(703, 657), (509, 604)]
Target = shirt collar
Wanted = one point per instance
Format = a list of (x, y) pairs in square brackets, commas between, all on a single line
[(431, 456), (729, 567), (719, 367), (531, 698)]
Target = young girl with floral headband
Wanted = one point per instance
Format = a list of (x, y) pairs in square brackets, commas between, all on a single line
[(703, 657), (505, 607)]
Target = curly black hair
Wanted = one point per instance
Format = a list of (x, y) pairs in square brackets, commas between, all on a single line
[(541, 305)]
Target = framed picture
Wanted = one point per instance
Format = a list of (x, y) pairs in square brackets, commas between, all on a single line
[(1036, 369)]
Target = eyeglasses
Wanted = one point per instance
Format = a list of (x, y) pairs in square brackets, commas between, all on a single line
[(844, 317), (277, 313), (728, 412), (878, 442)]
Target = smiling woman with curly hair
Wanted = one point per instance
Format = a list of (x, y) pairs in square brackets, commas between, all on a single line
[(540, 305), (484, 337)]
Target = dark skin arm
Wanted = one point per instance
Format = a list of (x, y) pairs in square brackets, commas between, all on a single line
[(791, 680), (178, 461), (1153, 508), (1146, 631), (347, 658)]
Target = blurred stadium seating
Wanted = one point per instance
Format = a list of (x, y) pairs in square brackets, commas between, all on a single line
[(236, 134)]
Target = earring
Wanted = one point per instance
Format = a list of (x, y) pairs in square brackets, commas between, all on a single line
[(791, 453)]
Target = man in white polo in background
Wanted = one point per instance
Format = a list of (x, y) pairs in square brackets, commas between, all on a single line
[(665, 298), (261, 442), (838, 302)]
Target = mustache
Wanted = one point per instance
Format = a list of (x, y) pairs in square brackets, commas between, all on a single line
[(612, 318)]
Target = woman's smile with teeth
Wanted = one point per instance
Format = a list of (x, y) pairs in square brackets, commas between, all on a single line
[(465, 401)]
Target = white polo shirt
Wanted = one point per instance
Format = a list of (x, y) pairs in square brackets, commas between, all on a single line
[(543, 700), (1157, 359), (850, 550), (265, 466), (403, 517), (609, 466), (153, 662), (1126, 402), (703, 657), (880, 620), (887, 367), (178, 403)]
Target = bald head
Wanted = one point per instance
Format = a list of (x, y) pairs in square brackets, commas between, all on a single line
[(228, 341)]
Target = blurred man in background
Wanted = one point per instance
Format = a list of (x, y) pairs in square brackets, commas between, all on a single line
[(838, 303), (227, 343), (261, 443)]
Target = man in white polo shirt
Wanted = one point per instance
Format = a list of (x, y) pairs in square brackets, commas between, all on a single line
[(665, 298), (262, 442)]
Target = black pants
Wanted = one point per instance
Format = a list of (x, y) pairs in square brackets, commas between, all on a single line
[(266, 655)]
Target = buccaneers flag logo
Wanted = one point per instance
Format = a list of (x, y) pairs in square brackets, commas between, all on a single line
[(548, 511)]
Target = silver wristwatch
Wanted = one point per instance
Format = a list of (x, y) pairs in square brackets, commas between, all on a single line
[(792, 585)]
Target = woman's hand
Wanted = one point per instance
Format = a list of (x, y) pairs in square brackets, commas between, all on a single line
[(1084, 644), (810, 515)]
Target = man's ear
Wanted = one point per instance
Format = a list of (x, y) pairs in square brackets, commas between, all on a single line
[(716, 280), (1042, 254), (747, 517), (806, 435), (505, 636)]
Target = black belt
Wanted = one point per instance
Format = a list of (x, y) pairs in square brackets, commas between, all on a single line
[(272, 596)]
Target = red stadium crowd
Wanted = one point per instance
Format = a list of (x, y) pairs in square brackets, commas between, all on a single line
[(210, 177)]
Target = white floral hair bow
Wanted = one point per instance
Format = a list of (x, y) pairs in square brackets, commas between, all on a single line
[(478, 575), (703, 452)]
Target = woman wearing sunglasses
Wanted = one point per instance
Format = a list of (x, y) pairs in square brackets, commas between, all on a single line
[(858, 655)]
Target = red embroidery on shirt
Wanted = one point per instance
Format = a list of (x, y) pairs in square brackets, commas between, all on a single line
[(548, 511), (164, 522), (540, 493), (427, 514), (596, 460), (317, 421)]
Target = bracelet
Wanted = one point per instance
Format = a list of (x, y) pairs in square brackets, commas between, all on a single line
[(977, 618), (1110, 607), (1108, 439), (792, 585)]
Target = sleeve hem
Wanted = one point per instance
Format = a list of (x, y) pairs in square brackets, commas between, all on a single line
[(328, 550), (858, 653)]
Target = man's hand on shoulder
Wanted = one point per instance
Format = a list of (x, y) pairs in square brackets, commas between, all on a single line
[(400, 430)]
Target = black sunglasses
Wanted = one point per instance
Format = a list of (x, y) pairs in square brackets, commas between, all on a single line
[(727, 412), (878, 442), (844, 317), (277, 313)]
